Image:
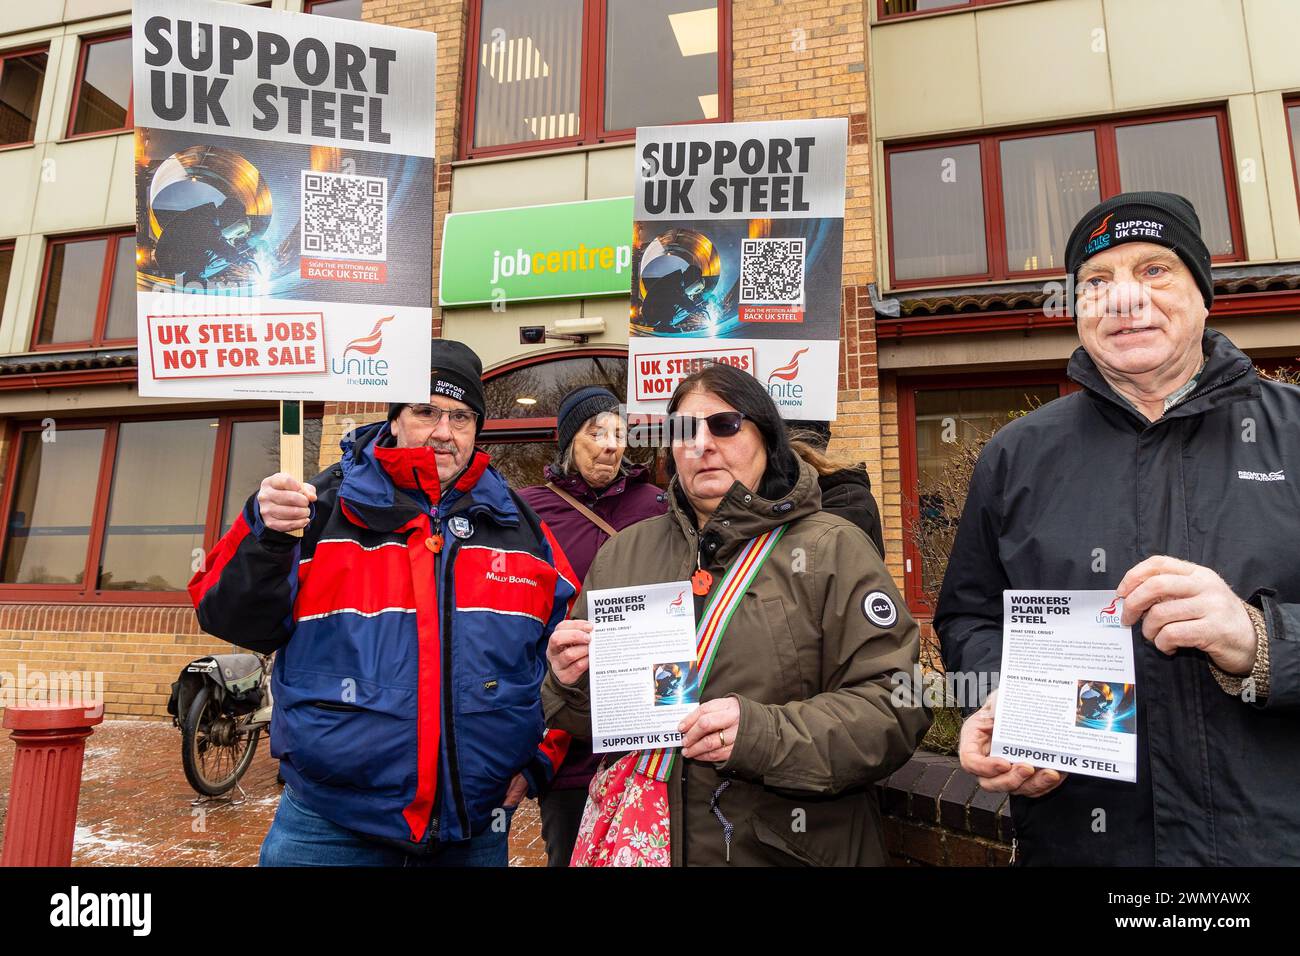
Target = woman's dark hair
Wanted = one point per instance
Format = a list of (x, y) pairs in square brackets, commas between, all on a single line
[(745, 394)]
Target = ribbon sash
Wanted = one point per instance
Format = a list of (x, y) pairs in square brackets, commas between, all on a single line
[(658, 764)]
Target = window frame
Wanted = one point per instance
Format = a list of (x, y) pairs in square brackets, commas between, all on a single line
[(15, 53), (84, 45), (1108, 179), (506, 431), (96, 341), (909, 471), (957, 6), (111, 425), (591, 93), (1290, 103)]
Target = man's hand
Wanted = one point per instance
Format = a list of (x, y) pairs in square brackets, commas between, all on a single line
[(285, 502), (567, 650), (1186, 605), (710, 730), (516, 792), (997, 773)]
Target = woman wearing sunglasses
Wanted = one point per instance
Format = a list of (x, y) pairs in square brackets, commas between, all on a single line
[(802, 630)]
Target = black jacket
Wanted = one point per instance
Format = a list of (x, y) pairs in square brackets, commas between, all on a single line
[(847, 493), (1071, 497)]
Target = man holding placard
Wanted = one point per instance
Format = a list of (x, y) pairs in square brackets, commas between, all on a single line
[(411, 621), (1162, 483)]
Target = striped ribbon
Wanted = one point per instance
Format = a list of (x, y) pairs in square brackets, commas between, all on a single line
[(658, 764)]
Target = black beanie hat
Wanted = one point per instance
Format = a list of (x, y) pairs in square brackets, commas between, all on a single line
[(579, 405), (454, 372), (1165, 219)]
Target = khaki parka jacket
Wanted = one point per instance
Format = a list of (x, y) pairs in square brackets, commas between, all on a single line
[(811, 656)]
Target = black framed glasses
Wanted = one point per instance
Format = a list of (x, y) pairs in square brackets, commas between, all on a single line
[(720, 425), (460, 418)]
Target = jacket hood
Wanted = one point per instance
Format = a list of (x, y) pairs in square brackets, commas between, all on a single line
[(385, 487), (743, 514), (1228, 376), (844, 476)]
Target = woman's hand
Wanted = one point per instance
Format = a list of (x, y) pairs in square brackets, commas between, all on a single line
[(567, 650), (710, 730)]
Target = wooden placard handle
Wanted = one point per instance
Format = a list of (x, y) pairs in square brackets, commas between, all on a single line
[(291, 444)]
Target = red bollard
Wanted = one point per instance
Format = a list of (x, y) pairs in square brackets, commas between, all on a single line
[(49, 745)]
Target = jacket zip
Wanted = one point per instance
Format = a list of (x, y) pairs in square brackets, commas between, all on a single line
[(448, 708), (1205, 391), (448, 692)]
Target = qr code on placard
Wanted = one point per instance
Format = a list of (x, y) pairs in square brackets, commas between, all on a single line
[(344, 216), (771, 271)]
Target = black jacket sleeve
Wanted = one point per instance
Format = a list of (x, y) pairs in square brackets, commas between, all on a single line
[(968, 617)]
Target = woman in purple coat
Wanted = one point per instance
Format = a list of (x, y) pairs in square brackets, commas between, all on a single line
[(592, 492)]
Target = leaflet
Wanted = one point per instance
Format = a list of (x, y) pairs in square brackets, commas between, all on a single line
[(1067, 698), (641, 665)]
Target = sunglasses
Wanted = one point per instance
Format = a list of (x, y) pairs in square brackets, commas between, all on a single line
[(720, 424)]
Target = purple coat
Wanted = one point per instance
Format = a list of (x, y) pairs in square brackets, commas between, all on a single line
[(629, 499)]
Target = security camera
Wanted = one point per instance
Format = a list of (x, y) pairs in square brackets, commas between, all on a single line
[(532, 334)]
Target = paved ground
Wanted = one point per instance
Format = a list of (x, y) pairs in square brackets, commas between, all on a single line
[(137, 810)]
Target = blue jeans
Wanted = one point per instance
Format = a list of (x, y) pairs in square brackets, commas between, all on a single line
[(301, 837)]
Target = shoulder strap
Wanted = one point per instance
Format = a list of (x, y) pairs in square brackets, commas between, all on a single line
[(583, 510)]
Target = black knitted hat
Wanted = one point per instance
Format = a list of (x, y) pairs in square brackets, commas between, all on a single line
[(1165, 219), (580, 405), (455, 372)]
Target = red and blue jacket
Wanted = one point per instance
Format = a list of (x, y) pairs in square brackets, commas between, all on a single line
[(411, 632)]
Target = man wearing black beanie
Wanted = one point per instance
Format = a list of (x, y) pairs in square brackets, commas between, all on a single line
[(1162, 480), (413, 613)]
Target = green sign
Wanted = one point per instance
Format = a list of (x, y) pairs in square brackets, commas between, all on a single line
[(559, 251)]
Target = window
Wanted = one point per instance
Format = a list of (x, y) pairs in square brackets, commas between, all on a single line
[(1001, 206), (53, 505), (522, 399), (102, 102), (941, 232), (342, 9), (88, 298), (1293, 122), (940, 419), (86, 504), (22, 76), (900, 8), (552, 73)]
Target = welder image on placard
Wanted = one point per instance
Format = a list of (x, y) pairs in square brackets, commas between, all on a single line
[(246, 218), (679, 269), (211, 208), (726, 278)]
